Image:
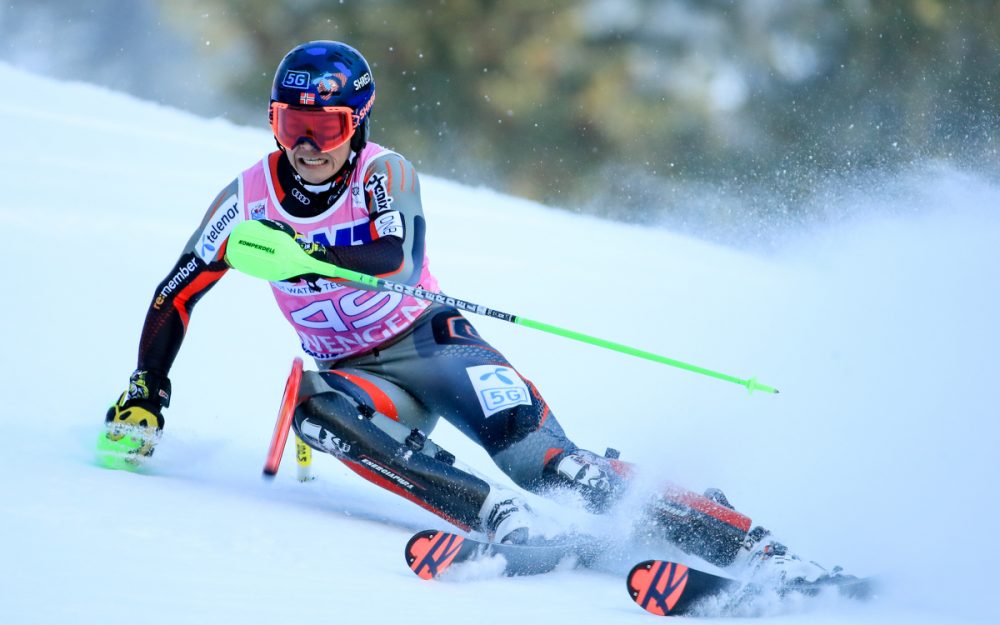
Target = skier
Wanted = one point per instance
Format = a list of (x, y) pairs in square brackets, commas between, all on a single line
[(389, 365)]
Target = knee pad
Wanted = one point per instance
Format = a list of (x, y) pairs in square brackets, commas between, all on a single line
[(324, 422), (387, 453)]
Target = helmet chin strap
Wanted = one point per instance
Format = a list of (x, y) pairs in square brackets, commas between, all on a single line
[(340, 174), (360, 138), (320, 187), (312, 199)]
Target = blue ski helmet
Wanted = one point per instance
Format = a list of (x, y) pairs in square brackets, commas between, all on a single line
[(327, 73)]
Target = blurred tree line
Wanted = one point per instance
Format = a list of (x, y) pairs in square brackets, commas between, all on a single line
[(603, 105), (635, 109)]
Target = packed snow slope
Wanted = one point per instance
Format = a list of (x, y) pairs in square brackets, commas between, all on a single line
[(879, 454)]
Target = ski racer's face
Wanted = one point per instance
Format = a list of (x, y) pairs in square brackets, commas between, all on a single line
[(317, 139), (317, 167)]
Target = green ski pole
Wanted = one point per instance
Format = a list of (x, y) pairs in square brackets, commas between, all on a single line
[(272, 255)]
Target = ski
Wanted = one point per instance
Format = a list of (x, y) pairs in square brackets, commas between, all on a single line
[(660, 587), (431, 552), (671, 589), (847, 586), (668, 588)]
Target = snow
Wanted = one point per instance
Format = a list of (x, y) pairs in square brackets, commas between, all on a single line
[(880, 330)]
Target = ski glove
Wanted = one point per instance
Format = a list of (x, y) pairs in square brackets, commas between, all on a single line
[(316, 250), (134, 423)]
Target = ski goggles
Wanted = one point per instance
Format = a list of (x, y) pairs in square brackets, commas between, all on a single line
[(327, 127)]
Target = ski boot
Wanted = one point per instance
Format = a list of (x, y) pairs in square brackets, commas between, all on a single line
[(763, 559), (706, 525), (703, 525), (505, 518), (600, 481), (766, 563)]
